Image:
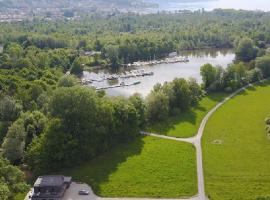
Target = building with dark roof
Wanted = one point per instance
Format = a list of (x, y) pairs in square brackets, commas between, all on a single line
[(50, 187)]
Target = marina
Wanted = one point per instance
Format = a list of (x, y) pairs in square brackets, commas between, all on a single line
[(122, 82), (125, 75), (175, 59)]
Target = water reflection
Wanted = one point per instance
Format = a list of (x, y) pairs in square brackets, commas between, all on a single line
[(172, 5), (165, 72)]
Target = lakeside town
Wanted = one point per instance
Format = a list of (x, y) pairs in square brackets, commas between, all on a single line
[(18, 11)]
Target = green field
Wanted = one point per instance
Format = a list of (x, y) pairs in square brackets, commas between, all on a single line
[(147, 167), (236, 150), (186, 124)]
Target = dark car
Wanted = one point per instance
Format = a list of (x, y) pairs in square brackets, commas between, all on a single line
[(83, 192)]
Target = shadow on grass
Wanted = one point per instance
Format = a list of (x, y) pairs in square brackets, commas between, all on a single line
[(217, 96), (165, 126), (98, 170), (190, 116), (255, 87)]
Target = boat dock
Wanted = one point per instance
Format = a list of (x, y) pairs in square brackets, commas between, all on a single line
[(125, 75), (120, 85), (156, 62)]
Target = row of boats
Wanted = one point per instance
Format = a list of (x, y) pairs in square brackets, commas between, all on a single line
[(156, 62), (125, 75), (122, 84)]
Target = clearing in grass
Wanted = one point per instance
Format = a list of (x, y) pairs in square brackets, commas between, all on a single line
[(186, 124), (236, 148), (146, 167)]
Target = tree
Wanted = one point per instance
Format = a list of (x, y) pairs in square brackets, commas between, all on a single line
[(48, 152), (4, 191), (208, 73), (9, 109), (179, 94), (246, 50), (67, 81), (254, 75), (14, 51), (75, 128), (195, 91), (14, 142), (157, 106), (12, 180), (77, 67), (236, 76), (139, 104), (125, 119), (263, 63), (112, 52), (34, 124)]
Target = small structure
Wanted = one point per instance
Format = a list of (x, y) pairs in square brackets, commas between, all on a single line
[(172, 54), (50, 187), (89, 53)]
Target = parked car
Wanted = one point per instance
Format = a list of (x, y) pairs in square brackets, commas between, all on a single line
[(83, 192)]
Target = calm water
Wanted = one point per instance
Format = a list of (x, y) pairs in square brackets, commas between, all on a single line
[(167, 72), (213, 4)]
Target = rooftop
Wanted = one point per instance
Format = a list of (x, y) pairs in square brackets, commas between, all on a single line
[(52, 180)]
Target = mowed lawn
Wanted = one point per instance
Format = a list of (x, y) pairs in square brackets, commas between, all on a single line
[(146, 167), (186, 124), (236, 149)]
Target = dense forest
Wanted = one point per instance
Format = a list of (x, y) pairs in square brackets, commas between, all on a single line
[(128, 38), (45, 113)]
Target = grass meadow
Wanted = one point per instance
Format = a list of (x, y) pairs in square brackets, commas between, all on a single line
[(236, 148), (186, 124), (146, 167)]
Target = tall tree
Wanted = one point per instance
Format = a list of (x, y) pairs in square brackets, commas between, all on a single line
[(246, 50)]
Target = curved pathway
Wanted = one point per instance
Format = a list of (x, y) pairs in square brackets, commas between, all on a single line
[(196, 141)]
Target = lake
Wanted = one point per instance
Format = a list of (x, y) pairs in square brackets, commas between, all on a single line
[(165, 72), (171, 5)]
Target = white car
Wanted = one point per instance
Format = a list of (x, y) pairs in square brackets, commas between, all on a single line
[(83, 192)]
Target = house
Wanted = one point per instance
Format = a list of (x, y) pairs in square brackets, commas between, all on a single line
[(50, 187)]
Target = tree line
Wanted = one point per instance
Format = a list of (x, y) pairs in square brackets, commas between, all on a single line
[(48, 121), (129, 37)]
